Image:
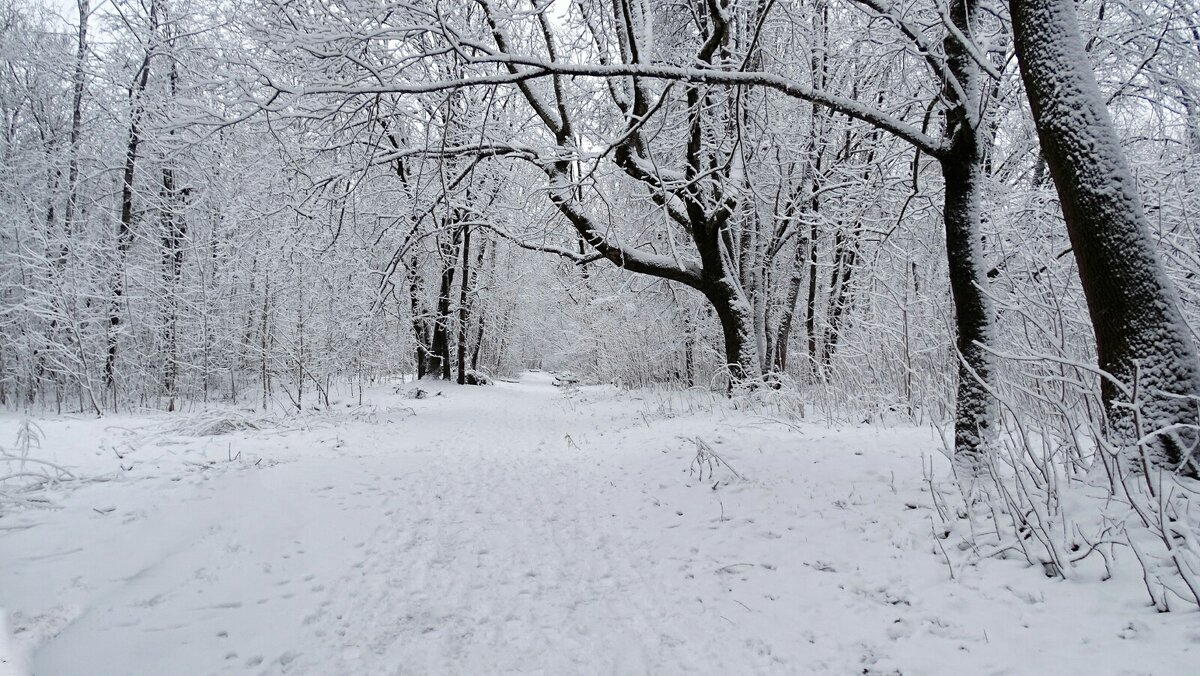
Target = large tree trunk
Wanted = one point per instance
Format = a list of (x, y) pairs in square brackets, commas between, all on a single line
[(1142, 339), (962, 171), (975, 407), (737, 328)]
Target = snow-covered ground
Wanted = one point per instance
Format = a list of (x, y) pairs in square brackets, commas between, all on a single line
[(523, 529)]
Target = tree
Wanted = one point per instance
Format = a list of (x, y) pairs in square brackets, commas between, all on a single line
[(960, 69), (1152, 391)]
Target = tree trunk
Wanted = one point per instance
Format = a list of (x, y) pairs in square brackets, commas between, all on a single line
[(441, 329), (795, 281), (1142, 339), (737, 328), (810, 306), (418, 319), (174, 230), (487, 256), (463, 292), (975, 407), (78, 81), (845, 258), (125, 223), (819, 63), (962, 171), (689, 351)]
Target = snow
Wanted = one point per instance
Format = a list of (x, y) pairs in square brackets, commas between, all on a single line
[(525, 528)]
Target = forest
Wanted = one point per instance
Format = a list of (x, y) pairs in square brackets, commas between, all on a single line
[(939, 256)]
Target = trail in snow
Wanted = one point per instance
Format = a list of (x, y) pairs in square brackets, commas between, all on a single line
[(516, 529)]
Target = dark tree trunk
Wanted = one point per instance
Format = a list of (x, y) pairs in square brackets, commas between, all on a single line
[(440, 346), (962, 171), (720, 286), (174, 232), (78, 82), (1142, 339), (975, 407), (819, 64), (810, 305), (487, 256), (737, 328), (689, 351), (463, 293), (125, 220), (418, 319), (845, 257)]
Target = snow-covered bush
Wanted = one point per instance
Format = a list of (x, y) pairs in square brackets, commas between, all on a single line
[(1056, 495), (20, 471)]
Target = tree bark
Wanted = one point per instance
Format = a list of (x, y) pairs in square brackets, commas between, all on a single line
[(1142, 339), (795, 281), (440, 344), (810, 305), (975, 407), (845, 255), (962, 171), (737, 328), (490, 261), (463, 292), (174, 231), (420, 336)]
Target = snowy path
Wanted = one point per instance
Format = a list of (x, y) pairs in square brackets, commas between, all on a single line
[(515, 530)]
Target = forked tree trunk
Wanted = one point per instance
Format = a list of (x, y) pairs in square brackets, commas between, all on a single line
[(1142, 339)]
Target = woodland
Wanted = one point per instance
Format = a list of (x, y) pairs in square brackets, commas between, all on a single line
[(972, 216)]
